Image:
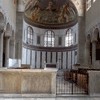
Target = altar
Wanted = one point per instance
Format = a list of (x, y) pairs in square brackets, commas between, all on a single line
[(36, 82)]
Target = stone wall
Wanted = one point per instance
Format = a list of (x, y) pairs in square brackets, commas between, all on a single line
[(93, 22), (94, 82), (93, 15), (8, 8)]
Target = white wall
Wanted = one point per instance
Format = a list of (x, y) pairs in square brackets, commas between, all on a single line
[(92, 21), (93, 15), (9, 9), (58, 33)]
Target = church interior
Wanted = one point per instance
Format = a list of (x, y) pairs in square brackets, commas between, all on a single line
[(49, 49)]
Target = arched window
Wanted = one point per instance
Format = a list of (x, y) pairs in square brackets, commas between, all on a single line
[(69, 38), (49, 39), (96, 32), (29, 35)]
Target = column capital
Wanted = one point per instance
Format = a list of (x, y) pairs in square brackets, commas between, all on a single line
[(94, 41), (1, 31), (7, 37)]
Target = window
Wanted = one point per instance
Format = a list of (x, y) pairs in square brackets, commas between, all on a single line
[(49, 39), (69, 38), (60, 40), (98, 48), (29, 35), (75, 38), (38, 39)]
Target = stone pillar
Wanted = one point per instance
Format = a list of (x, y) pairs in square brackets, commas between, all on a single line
[(81, 40), (93, 52), (81, 33), (87, 52), (13, 49), (7, 42), (1, 50)]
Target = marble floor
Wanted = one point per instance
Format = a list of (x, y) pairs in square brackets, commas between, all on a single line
[(59, 98)]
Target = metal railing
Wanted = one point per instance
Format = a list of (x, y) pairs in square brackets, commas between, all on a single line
[(72, 82)]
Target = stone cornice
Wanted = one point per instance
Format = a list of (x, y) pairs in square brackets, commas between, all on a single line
[(50, 49)]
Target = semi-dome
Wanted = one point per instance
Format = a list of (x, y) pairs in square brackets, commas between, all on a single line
[(52, 14)]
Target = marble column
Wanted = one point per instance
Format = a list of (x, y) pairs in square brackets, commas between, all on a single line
[(13, 49), (87, 52), (7, 44), (1, 50), (81, 33), (93, 53), (81, 40)]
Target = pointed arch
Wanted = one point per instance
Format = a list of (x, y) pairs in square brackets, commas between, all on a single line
[(96, 33), (8, 27), (8, 31)]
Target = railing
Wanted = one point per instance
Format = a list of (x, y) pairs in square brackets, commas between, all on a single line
[(37, 56), (72, 82)]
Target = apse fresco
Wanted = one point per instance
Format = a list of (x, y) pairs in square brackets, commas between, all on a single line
[(46, 12)]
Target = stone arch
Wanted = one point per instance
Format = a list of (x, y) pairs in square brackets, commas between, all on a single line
[(29, 35), (8, 31), (7, 27), (97, 40), (2, 22), (95, 34), (69, 34)]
